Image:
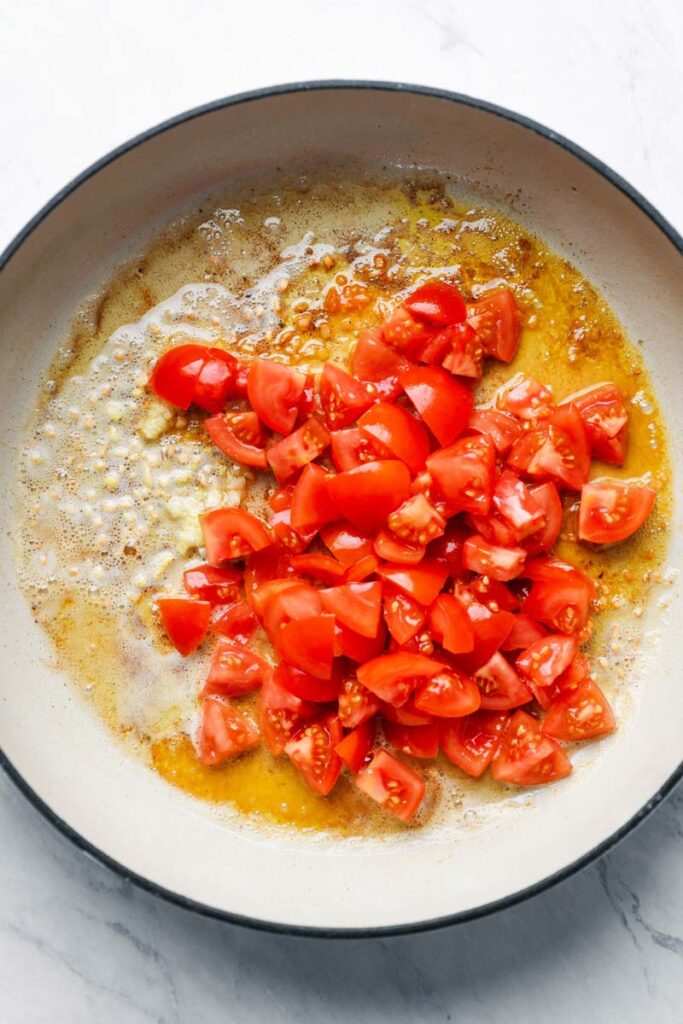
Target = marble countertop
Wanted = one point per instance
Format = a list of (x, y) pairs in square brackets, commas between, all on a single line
[(79, 945)]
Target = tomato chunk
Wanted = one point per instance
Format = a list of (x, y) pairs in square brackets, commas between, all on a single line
[(417, 521), (437, 304), (526, 757), (450, 625), (526, 398), (376, 363), (364, 567), (391, 549), (312, 750), (415, 740), (580, 714), (560, 595), (281, 713), (392, 784), (464, 474), (218, 586), (516, 504), (303, 446), (343, 399), (347, 543), (223, 733), (274, 392), (237, 622), (448, 694), (444, 403), (307, 687), (612, 510), (545, 659), (356, 703), (500, 563), (174, 375), (240, 436), (234, 671), (404, 616), (356, 747), (214, 384), (421, 582), (548, 499), (496, 319), (356, 605), (502, 428), (564, 454), (352, 448), (465, 353), (320, 567), (308, 644), (604, 414), (404, 332), (398, 433), (524, 632), (312, 506), (501, 688), (393, 677), (231, 533), (366, 495), (185, 621), (471, 742)]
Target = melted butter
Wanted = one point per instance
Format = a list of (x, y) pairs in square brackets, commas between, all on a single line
[(299, 274)]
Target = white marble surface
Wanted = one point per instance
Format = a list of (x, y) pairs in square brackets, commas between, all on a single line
[(76, 943)]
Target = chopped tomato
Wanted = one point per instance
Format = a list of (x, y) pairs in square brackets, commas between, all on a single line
[(307, 687), (417, 521), (602, 409), (421, 582), (526, 398), (214, 384), (309, 644), (502, 428), (494, 530), (237, 622), (343, 399), (492, 560), (560, 595), (349, 644), (526, 757), (416, 740), (223, 733), (580, 714), (281, 497), (444, 403), (393, 785), (397, 432), (471, 742), (218, 586), (312, 506), (356, 747), (564, 454), (464, 474), (450, 625), (524, 632), (352, 448), (403, 332), (495, 317), (312, 750), (404, 616), (490, 630), (465, 354), (568, 680), (437, 304), (308, 401), (448, 694), (407, 714), (281, 714), (347, 543), (374, 362), (366, 495), (393, 677), (515, 503), (545, 659), (285, 600), (263, 567), (493, 594), (234, 671), (356, 605), (448, 549), (390, 548), (612, 510), (364, 567), (274, 392), (231, 533), (548, 499), (284, 534), (320, 567), (174, 375), (356, 703), (501, 688), (291, 453), (185, 621)]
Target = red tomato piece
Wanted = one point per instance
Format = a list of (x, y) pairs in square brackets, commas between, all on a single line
[(356, 703), (237, 622), (308, 402), (343, 399), (492, 560), (348, 644), (234, 671), (547, 498), (450, 625), (403, 332), (465, 354), (560, 595), (417, 521), (274, 392), (356, 747), (404, 616), (448, 694), (175, 373), (184, 621), (223, 733), (312, 506), (602, 409), (218, 586), (568, 680), (471, 742), (393, 677), (580, 714), (437, 304), (391, 549), (303, 446), (392, 784), (494, 530), (281, 497), (352, 448), (263, 567), (612, 510), (363, 568), (526, 398), (515, 503), (496, 319), (493, 594), (281, 714), (444, 403), (307, 687), (564, 454), (448, 549), (501, 688), (464, 474), (319, 567), (421, 582), (415, 740), (374, 362), (285, 600), (502, 428), (347, 543), (394, 430), (240, 436), (357, 605), (312, 750), (215, 381), (544, 660), (309, 644), (366, 495), (490, 630), (526, 757), (284, 534), (407, 714), (437, 347), (524, 633), (231, 533)]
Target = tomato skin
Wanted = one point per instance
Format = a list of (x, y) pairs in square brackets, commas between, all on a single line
[(364, 567), (312, 750), (437, 304), (175, 374), (407, 714), (605, 418), (320, 567), (234, 671), (526, 757), (500, 427), (231, 533), (223, 733), (274, 392), (312, 506), (356, 703), (415, 740), (450, 625), (214, 383), (448, 694), (496, 319), (395, 431), (352, 448), (237, 622), (262, 567), (307, 687), (490, 630), (392, 677), (281, 497), (281, 714), (417, 521), (560, 595), (612, 510), (544, 660), (301, 447), (567, 681), (184, 621), (365, 496), (421, 582), (464, 474), (389, 548), (342, 398), (404, 616), (500, 563), (547, 498), (392, 784), (347, 543), (443, 402), (471, 742), (376, 363), (357, 605), (355, 749), (349, 644), (500, 686), (524, 632), (285, 600), (308, 644), (580, 714), (218, 586)]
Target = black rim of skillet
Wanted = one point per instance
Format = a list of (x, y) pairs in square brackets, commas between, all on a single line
[(298, 930)]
